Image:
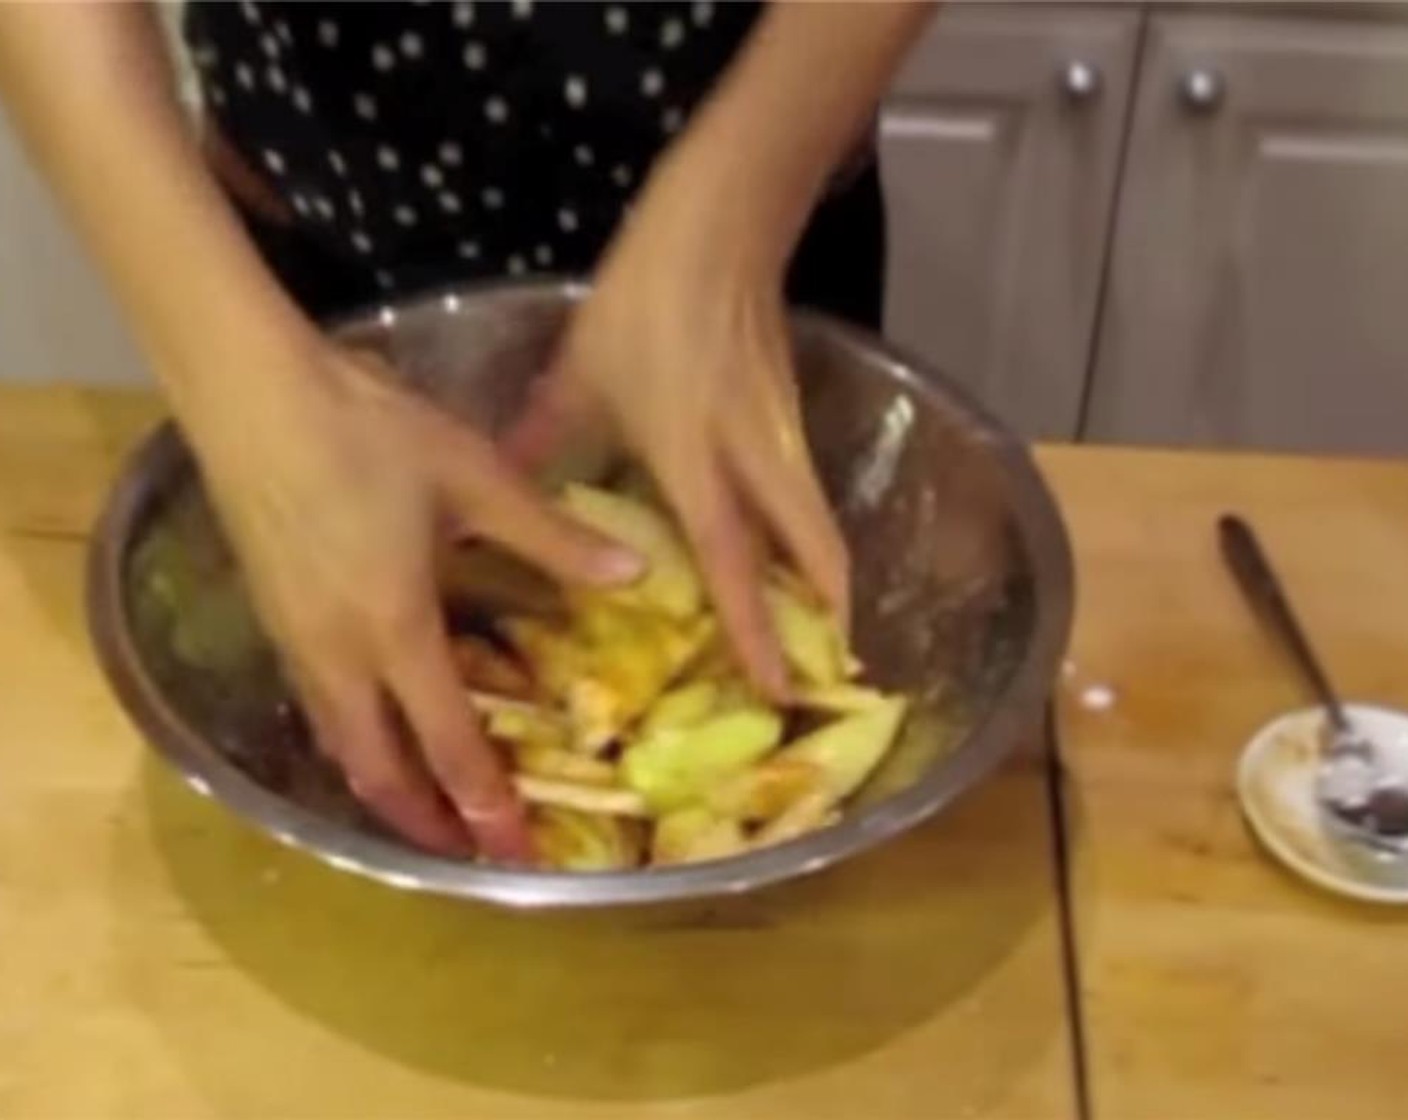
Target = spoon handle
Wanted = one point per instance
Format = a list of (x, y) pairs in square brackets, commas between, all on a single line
[(1243, 554)]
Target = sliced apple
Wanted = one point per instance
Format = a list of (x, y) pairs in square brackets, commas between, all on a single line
[(681, 707), (573, 841), (812, 641), (676, 766), (585, 799), (839, 699), (808, 813), (847, 751), (610, 666), (695, 834), (554, 659), (514, 721), (671, 584), (558, 764), (765, 790), (530, 728)]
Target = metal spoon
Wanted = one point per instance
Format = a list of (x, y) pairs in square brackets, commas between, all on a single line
[(1358, 797)]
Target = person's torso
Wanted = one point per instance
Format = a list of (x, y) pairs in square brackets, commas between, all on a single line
[(507, 135)]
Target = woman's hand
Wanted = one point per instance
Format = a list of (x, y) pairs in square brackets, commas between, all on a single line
[(683, 350), (682, 346), (336, 488)]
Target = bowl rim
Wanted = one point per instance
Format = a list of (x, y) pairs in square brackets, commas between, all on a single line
[(207, 771)]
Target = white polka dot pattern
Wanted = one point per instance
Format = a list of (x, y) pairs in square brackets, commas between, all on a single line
[(532, 163), (671, 34)]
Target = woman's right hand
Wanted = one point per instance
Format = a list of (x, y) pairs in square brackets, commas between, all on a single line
[(336, 487)]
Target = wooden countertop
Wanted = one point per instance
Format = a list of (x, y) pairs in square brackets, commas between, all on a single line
[(1215, 984), (160, 960)]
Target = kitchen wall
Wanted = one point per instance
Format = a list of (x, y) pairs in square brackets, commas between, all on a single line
[(57, 322)]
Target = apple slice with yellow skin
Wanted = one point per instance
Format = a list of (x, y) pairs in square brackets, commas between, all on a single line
[(549, 650), (671, 583), (847, 751), (609, 667), (682, 707), (677, 766), (765, 790), (807, 813), (568, 840), (694, 834)]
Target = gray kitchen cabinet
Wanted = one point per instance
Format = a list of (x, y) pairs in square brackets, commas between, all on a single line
[(1258, 288), (999, 151)]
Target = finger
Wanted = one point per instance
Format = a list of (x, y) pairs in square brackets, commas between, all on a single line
[(730, 560), (462, 760), (499, 505), (487, 497), (351, 725), (556, 412), (780, 482)]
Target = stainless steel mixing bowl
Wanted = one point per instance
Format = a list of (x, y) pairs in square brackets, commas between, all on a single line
[(963, 593)]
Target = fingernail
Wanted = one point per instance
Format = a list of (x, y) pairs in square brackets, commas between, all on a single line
[(620, 565)]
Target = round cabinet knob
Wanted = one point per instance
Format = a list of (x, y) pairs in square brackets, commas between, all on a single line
[(1201, 90), (1080, 81)]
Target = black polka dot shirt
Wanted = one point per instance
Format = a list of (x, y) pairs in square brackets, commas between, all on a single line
[(504, 138)]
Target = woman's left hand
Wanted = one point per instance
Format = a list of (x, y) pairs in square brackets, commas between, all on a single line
[(683, 350)]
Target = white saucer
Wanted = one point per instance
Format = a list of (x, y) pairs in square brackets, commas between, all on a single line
[(1276, 785)]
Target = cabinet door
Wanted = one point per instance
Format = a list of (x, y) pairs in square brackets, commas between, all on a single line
[(999, 150), (1258, 292)]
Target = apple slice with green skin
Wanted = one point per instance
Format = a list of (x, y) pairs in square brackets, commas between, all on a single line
[(671, 583), (682, 707), (811, 639), (693, 834), (677, 766), (569, 840), (847, 751)]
